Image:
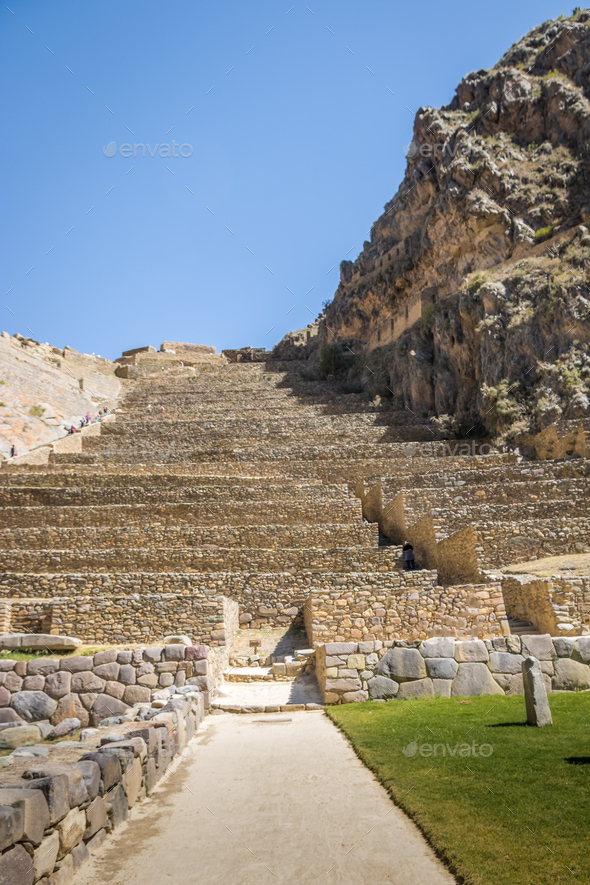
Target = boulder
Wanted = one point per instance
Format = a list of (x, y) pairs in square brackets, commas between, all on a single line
[(12, 682), (33, 705), (474, 679), (66, 726), (19, 736), (58, 684), (441, 668), (381, 687), (79, 855), (402, 665), (16, 867), (349, 697), (196, 652), (114, 689), (569, 676), (471, 651), (34, 683), (535, 696), (4, 696), (7, 714), (564, 645)]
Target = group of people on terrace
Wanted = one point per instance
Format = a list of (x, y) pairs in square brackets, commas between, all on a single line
[(84, 422)]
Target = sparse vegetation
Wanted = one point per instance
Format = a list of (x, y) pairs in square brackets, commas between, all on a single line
[(36, 411), (544, 233)]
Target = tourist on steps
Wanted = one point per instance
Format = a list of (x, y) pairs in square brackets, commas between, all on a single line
[(13, 452), (409, 561)]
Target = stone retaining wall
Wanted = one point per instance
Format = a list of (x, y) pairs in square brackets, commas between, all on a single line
[(403, 604), (556, 605), (100, 618), (59, 808), (351, 672), (106, 684)]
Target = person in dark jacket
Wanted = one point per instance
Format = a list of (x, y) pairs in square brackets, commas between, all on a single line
[(409, 561)]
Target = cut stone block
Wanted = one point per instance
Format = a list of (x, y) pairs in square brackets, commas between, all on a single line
[(402, 664), (33, 705), (471, 651), (474, 679), (16, 867), (537, 706), (383, 687), (441, 668)]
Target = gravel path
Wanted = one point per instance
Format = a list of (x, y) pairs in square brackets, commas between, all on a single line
[(267, 799)]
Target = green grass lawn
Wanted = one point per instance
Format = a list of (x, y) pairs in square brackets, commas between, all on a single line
[(519, 815)]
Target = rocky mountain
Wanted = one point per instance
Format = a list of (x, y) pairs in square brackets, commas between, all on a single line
[(45, 389), (469, 304)]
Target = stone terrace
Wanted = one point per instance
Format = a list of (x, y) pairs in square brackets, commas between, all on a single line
[(238, 481)]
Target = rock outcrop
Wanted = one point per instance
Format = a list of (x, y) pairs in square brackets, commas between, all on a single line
[(469, 303)]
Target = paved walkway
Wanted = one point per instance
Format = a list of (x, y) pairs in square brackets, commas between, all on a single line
[(267, 799)]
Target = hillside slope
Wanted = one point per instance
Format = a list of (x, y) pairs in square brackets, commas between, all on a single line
[(469, 302)]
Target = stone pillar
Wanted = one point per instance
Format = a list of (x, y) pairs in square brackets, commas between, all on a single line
[(535, 695)]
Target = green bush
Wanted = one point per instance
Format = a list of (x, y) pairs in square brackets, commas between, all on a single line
[(544, 233), (330, 358), (476, 282), (36, 411)]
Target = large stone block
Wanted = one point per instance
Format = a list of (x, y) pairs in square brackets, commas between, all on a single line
[(153, 655), (42, 666), (90, 772), (442, 687), (200, 667), (402, 664), (355, 697), (108, 672), (136, 694), (71, 830), (13, 682), (382, 688), (19, 736), (117, 807), (86, 680), (341, 648), (441, 668), (540, 647), (343, 684), (46, 855), (128, 674), (76, 664), (581, 649), (33, 809), (110, 768), (71, 706), (471, 651), (564, 645), (4, 696), (34, 683), (150, 680), (438, 647), (77, 792), (201, 683), (419, 688), (96, 817), (16, 867), (569, 676), (7, 714), (114, 690), (79, 855), (55, 792), (58, 684), (355, 662), (33, 705), (104, 707), (503, 662), (131, 782), (174, 652), (474, 679), (11, 825), (105, 657)]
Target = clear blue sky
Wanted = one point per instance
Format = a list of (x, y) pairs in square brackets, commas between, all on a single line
[(297, 145)]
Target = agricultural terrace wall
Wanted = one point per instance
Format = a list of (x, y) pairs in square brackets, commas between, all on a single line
[(403, 605), (557, 605)]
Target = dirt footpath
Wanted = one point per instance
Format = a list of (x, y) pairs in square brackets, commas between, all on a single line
[(271, 798)]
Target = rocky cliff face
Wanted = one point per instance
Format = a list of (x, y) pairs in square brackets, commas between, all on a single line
[(469, 304), (44, 389)]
